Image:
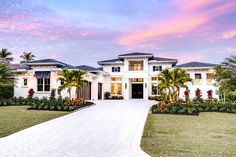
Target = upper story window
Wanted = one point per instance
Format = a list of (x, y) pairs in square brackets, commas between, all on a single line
[(116, 79), (115, 69), (209, 77), (135, 65), (157, 68), (25, 81), (198, 78), (154, 78), (43, 84)]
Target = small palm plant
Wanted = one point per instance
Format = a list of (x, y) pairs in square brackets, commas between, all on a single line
[(170, 82), (27, 56), (71, 78), (5, 54), (6, 76)]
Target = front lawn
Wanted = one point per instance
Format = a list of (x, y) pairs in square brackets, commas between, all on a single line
[(209, 134), (16, 118)]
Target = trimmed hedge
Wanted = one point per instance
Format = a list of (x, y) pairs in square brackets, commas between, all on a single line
[(45, 104), (195, 109)]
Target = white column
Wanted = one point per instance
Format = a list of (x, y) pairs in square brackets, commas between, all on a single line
[(94, 89)]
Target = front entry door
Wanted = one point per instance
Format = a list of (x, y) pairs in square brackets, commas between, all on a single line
[(137, 90)]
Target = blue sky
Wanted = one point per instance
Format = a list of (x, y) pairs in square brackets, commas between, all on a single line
[(85, 31)]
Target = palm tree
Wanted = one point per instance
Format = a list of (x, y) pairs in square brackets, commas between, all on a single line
[(5, 54), (78, 80), (66, 79), (71, 78), (170, 82), (27, 56), (6, 76)]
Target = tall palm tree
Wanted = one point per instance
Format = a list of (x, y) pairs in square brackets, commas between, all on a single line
[(5, 54), (170, 82), (230, 64), (27, 56)]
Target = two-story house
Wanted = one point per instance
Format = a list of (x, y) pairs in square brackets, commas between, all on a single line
[(132, 75)]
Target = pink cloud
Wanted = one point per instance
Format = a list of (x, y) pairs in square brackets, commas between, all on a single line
[(183, 57), (229, 34), (190, 5), (178, 26)]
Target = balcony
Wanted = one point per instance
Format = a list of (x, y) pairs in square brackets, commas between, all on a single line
[(135, 68)]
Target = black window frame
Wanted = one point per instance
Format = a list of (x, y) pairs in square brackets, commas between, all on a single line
[(25, 82), (115, 69), (157, 68), (44, 84)]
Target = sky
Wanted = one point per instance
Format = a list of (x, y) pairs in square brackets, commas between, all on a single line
[(82, 32)]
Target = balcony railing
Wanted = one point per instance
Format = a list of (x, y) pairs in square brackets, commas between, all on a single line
[(135, 67)]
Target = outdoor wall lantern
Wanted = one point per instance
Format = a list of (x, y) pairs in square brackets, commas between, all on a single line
[(125, 85), (145, 85)]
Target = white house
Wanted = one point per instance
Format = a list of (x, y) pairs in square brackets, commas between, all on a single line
[(132, 75)]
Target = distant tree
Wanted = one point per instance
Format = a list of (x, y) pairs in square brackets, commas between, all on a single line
[(5, 54), (27, 56), (225, 75)]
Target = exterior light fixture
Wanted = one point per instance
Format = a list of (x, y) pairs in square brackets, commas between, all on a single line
[(145, 85), (125, 85)]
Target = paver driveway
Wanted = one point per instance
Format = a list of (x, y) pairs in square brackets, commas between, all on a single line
[(109, 129)]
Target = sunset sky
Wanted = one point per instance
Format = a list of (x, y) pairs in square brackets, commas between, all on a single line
[(86, 31)]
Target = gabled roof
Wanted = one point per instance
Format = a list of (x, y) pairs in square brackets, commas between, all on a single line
[(135, 54), (87, 68), (196, 64)]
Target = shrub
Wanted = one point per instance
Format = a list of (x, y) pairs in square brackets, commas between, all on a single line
[(107, 95), (157, 98), (31, 93), (209, 94)]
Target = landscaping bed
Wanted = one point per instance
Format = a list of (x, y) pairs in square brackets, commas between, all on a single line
[(193, 108), (47, 104)]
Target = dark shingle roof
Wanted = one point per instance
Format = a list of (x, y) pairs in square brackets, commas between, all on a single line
[(173, 61), (136, 54), (196, 64), (108, 61), (86, 68), (49, 61)]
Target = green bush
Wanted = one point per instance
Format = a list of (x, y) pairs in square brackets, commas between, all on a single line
[(195, 108)]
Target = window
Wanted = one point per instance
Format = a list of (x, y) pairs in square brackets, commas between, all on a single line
[(40, 84), (154, 78), (136, 79), (25, 82), (209, 77), (198, 78), (157, 68), (135, 65), (43, 84), (115, 69), (116, 88), (116, 79), (154, 88), (62, 82)]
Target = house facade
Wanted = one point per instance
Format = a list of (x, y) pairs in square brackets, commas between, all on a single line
[(130, 76)]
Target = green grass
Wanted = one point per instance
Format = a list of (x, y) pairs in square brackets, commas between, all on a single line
[(206, 135), (16, 118)]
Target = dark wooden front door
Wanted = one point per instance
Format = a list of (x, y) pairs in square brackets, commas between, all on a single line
[(137, 90), (99, 91), (85, 91)]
